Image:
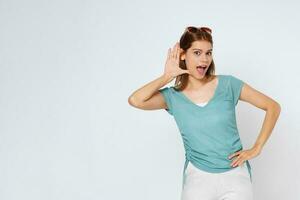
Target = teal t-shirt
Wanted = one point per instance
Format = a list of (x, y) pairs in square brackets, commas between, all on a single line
[(209, 132)]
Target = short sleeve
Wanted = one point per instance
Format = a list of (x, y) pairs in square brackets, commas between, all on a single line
[(167, 96), (236, 87)]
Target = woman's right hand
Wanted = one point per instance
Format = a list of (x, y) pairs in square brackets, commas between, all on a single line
[(172, 68)]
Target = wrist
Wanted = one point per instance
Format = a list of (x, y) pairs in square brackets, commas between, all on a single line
[(167, 78), (257, 147)]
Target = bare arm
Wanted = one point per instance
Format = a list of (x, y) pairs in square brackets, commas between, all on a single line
[(148, 97), (272, 108)]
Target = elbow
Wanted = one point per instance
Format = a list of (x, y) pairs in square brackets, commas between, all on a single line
[(275, 107), (133, 102)]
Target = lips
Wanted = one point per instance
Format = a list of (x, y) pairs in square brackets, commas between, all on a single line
[(201, 69), (202, 66)]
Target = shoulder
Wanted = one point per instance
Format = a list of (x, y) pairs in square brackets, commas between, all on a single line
[(229, 78), (170, 89), (167, 90), (225, 79)]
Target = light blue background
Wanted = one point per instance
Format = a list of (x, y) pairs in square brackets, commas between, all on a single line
[(68, 67)]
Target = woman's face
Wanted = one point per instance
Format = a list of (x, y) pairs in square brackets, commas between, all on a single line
[(198, 58)]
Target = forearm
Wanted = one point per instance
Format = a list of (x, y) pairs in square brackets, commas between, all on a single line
[(272, 114), (145, 92)]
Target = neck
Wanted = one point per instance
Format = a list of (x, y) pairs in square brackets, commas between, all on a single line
[(194, 84)]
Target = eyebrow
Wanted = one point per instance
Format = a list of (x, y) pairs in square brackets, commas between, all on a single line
[(201, 49)]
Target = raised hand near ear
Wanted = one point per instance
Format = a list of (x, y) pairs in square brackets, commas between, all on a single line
[(172, 68)]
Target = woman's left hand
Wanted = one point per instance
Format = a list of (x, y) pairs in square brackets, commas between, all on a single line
[(244, 155)]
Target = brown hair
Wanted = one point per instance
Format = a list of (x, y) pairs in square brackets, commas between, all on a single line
[(190, 35)]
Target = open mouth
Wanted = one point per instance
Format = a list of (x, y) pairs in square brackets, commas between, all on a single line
[(201, 69), (202, 66)]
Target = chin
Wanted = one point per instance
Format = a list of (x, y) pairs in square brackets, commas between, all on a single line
[(197, 76), (201, 76)]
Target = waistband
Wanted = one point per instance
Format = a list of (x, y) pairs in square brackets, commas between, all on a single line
[(187, 161)]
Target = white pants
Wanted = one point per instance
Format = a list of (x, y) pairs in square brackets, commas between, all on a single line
[(234, 184)]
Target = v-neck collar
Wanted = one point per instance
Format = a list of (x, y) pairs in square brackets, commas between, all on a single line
[(209, 101)]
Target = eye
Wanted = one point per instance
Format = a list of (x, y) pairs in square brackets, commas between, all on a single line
[(198, 53)]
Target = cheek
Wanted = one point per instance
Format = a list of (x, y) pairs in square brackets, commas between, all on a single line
[(193, 60), (190, 65)]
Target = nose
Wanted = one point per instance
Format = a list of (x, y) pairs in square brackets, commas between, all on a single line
[(204, 59)]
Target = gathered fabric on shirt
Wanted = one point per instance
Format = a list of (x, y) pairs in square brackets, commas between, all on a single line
[(209, 132)]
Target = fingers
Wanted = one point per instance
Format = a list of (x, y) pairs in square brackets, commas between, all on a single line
[(239, 161), (234, 154), (186, 71), (231, 156), (177, 51), (174, 52), (169, 54)]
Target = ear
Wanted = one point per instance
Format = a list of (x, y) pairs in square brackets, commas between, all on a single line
[(182, 55)]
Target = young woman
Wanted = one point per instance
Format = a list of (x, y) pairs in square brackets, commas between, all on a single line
[(203, 106)]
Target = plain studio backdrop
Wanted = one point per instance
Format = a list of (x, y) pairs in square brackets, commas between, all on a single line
[(68, 67)]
